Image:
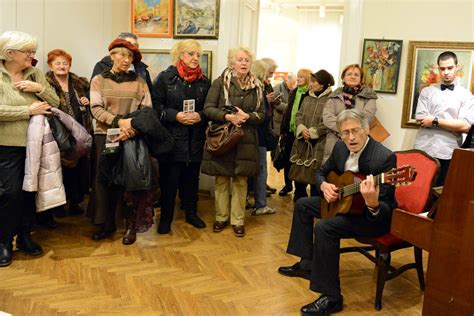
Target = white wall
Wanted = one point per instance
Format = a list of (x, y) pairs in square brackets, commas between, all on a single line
[(84, 28), (422, 20), (300, 39)]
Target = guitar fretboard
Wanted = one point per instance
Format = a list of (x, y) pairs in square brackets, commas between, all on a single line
[(354, 188)]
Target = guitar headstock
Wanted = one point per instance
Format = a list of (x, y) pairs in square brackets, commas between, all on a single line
[(403, 175)]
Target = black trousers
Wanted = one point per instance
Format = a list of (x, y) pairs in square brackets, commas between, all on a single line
[(320, 242), (17, 208), (180, 176), (443, 171)]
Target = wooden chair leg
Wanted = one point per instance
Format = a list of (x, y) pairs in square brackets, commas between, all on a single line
[(419, 267), (384, 259)]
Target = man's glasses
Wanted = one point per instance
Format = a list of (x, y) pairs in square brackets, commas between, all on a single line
[(347, 132), (27, 52)]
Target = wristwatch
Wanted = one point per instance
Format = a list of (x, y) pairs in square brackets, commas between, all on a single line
[(435, 121)]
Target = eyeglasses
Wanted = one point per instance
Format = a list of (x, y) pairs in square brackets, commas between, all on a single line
[(354, 131), (27, 52)]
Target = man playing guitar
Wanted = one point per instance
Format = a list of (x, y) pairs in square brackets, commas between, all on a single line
[(319, 254)]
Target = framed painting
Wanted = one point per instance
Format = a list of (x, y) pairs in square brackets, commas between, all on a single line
[(152, 18), (422, 71), (160, 59), (196, 19), (381, 64)]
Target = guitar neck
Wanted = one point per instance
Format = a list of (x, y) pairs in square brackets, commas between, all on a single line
[(354, 188)]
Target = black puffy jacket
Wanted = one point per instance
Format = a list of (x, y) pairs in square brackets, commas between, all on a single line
[(171, 91)]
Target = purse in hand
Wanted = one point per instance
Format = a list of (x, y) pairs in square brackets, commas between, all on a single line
[(220, 139)]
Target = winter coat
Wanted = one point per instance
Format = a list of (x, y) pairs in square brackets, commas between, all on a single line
[(171, 91), (82, 138), (310, 116), (147, 123), (279, 110), (364, 102), (141, 69), (43, 165), (243, 159), (81, 87)]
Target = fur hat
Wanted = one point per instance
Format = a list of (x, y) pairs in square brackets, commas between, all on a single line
[(137, 56), (324, 78)]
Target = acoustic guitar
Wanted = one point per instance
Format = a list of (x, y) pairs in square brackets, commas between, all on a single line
[(348, 183)]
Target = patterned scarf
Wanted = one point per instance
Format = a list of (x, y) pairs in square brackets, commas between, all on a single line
[(348, 94), (296, 106), (187, 73), (248, 83)]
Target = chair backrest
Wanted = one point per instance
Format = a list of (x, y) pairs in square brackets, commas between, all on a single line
[(415, 197)]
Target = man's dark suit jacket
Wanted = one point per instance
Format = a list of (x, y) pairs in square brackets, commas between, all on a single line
[(375, 159)]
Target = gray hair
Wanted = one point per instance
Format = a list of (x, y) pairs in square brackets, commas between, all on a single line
[(15, 40), (232, 55), (125, 35), (270, 63), (259, 69), (290, 76), (352, 114)]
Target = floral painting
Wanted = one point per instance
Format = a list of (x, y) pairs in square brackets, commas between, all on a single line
[(152, 17), (196, 19), (381, 64), (422, 71), (160, 59)]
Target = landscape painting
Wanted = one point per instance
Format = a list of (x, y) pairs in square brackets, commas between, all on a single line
[(152, 17), (196, 19)]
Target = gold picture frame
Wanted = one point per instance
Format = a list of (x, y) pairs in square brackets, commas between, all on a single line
[(422, 71)]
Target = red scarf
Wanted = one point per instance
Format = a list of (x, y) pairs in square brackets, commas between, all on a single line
[(187, 73)]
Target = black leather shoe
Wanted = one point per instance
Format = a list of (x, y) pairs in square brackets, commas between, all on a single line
[(102, 234), (285, 191), (196, 221), (164, 228), (322, 306), (219, 226), (239, 230), (27, 245), (295, 271), (270, 189), (48, 222), (6, 255)]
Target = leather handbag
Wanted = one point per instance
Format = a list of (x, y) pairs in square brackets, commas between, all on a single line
[(220, 139), (61, 134)]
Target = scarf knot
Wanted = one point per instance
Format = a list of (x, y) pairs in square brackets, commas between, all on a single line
[(348, 94), (187, 73)]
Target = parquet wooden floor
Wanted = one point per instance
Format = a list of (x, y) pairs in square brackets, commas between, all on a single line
[(189, 272)]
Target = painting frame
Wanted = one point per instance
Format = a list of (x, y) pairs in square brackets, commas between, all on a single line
[(419, 68), (139, 25), (196, 23), (381, 59), (160, 59)]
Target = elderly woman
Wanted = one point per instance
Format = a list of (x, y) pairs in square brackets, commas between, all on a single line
[(181, 92), (237, 87), (260, 70), (24, 93), (73, 95), (288, 127), (115, 93), (352, 95), (310, 128)]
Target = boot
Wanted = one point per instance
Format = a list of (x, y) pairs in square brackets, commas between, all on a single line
[(103, 232), (130, 235), (6, 254), (27, 245), (193, 219)]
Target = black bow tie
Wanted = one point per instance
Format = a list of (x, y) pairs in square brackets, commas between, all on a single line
[(447, 86)]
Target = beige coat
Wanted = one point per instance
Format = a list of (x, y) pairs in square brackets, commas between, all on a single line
[(364, 102), (310, 116), (43, 166)]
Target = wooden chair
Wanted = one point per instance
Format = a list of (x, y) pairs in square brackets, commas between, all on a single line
[(413, 198)]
